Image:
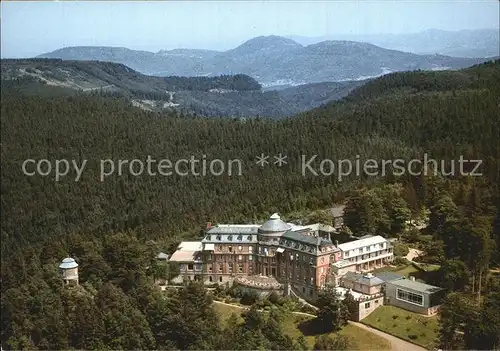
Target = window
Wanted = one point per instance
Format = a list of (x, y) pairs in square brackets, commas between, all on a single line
[(367, 305), (250, 258), (249, 238), (240, 257), (240, 238), (218, 237), (250, 249), (240, 267), (240, 248), (230, 249), (220, 279), (410, 297), (346, 254), (190, 267), (376, 302), (230, 267), (220, 267), (210, 278), (230, 237)]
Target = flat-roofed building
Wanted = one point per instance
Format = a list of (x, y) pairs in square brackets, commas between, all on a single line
[(414, 296), (363, 255), (188, 255)]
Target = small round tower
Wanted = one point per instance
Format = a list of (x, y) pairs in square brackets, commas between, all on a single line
[(69, 271)]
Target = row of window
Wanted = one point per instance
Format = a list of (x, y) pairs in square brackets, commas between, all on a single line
[(410, 297), (298, 246), (365, 249), (229, 237), (230, 248), (220, 267), (305, 258)]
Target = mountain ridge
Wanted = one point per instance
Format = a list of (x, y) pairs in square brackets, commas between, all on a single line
[(271, 59), (462, 43)]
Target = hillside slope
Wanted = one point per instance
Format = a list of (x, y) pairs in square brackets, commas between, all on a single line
[(235, 96), (445, 124)]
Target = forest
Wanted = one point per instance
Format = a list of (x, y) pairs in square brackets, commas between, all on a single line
[(115, 228)]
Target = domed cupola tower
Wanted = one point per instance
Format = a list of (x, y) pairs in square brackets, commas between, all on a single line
[(69, 271), (274, 227)]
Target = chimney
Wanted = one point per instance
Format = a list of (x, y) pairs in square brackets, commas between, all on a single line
[(329, 237), (337, 243), (209, 225)]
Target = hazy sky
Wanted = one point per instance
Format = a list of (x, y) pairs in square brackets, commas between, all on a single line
[(32, 28)]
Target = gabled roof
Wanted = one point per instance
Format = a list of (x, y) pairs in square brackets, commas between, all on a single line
[(234, 229), (307, 239)]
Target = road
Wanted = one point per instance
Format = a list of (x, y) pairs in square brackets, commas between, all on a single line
[(397, 344), (98, 88)]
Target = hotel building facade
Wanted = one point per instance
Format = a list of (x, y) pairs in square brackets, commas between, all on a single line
[(302, 258)]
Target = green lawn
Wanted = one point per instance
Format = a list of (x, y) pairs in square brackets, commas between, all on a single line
[(405, 270), (296, 325), (402, 323)]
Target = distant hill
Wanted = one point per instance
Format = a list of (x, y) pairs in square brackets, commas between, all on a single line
[(236, 95), (272, 61), (463, 43)]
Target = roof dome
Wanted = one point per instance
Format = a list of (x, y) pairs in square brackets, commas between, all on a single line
[(68, 263), (274, 225)]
